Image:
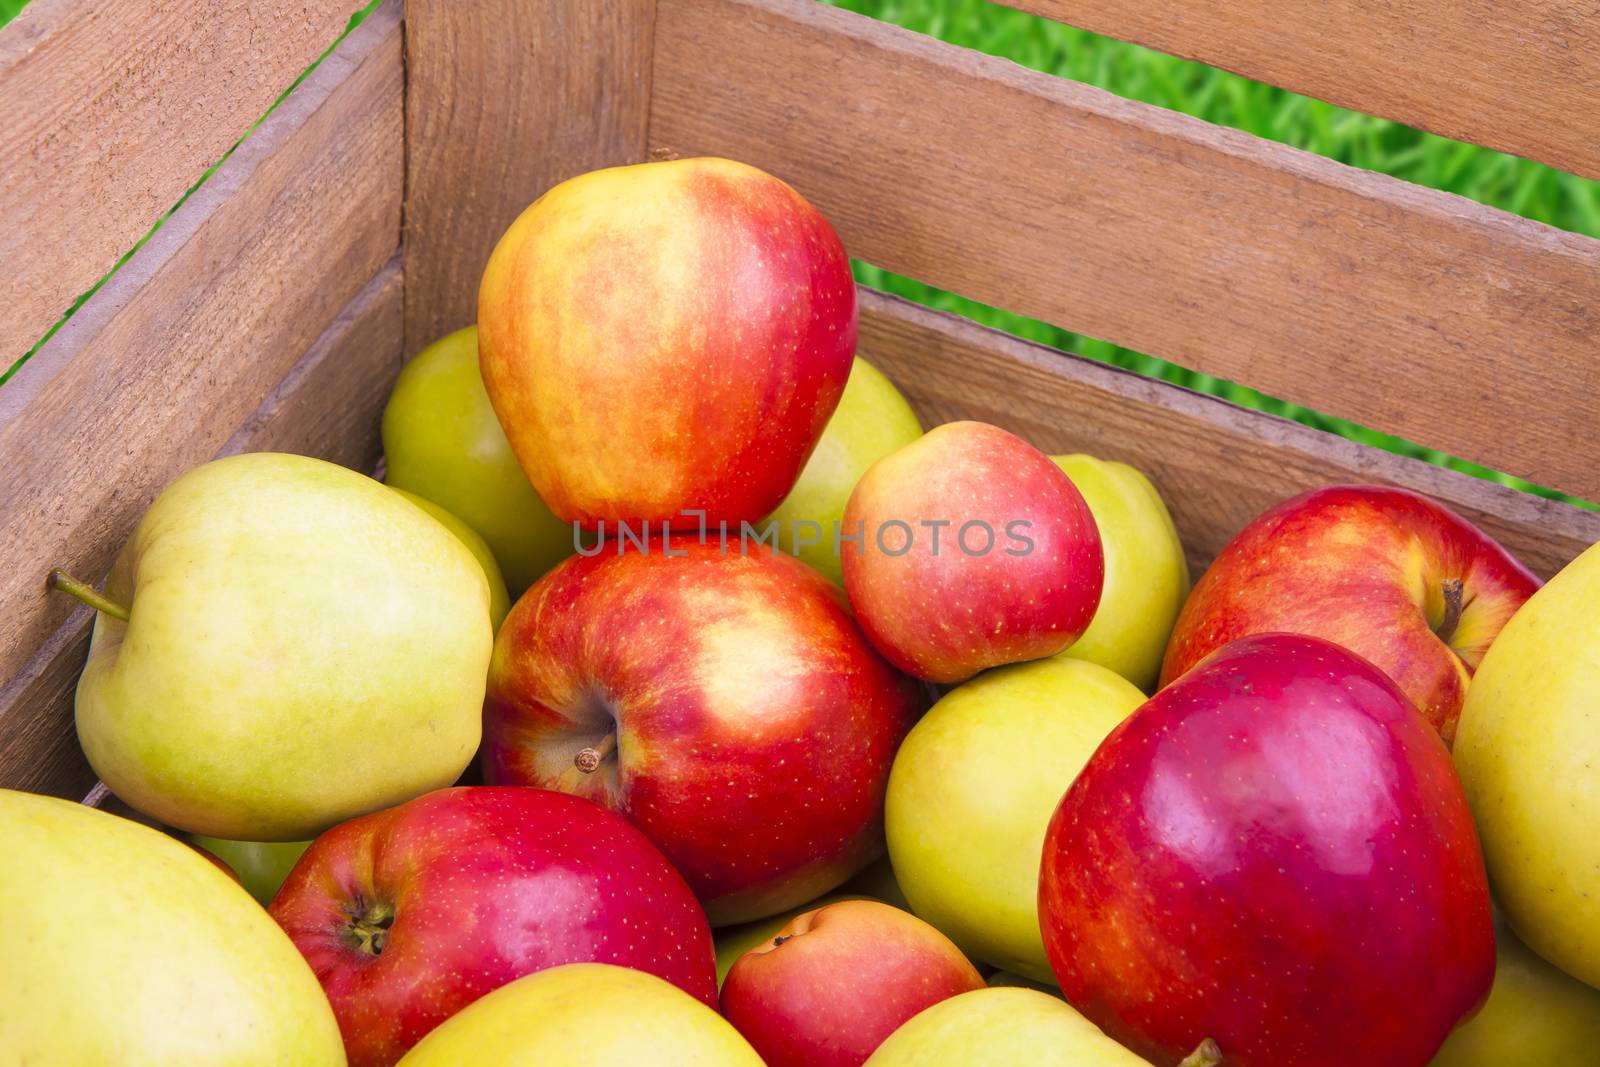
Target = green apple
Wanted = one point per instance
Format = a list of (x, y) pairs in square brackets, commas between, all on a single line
[(123, 946), (877, 881), (1528, 750), (734, 941), (499, 599), (584, 1015), (1002, 1027), (972, 790), (1147, 576), (261, 866), (296, 645), (871, 421), (1536, 1014), (441, 441)]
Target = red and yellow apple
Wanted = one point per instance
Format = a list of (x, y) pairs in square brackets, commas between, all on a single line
[(1275, 853), (410, 914), (974, 550), (666, 337), (837, 980), (723, 700), (1389, 574)]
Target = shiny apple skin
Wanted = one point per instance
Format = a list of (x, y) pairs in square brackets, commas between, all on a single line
[(1362, 566), (486, 885), (945, 614), (837, 980), (1273, 852), (667, 336), (755, 725)]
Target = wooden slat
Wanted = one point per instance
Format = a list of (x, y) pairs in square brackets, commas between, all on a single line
[(329, 405), (506, 98), (113, 109), (1416, 312), (154, 373), (1522, 76), (1217, 465)]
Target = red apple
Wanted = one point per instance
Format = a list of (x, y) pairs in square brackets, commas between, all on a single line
[(1273, 852), (1387, 573), (974, 550), (664, 337), (410, 914), (838, 980), (720, 698)]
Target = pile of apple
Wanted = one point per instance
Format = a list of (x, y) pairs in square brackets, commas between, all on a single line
[(1138, 823)]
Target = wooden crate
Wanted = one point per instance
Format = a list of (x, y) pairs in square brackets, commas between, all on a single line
[(274, 307)]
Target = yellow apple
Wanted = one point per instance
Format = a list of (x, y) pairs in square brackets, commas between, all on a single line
[(1002, 1027), (972, 791), (441, 441), (871, 421), (584, 1015), (1147, 576), (1528, 750), (499, 599), (289, 644), (121, 945), (1536, 1014), (261, 866)]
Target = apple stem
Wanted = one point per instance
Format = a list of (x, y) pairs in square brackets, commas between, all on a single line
[(66, 583), (1451, 589), (1207, 1055), (588, 760)]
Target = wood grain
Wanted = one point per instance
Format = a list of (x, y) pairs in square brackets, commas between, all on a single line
[(507, 98), (1217, 465), (1521, 76), (329, 405), (1416, 312), (155, 373), (113, 109)]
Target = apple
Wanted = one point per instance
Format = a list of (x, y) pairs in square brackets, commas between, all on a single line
[(734, 941), (973, 788), (124, 946), (585, 1015), (283, 643), (723, 700), (409, 915), (1146, 574), (871, 421), (499, 599), (877, 881), (1389, 574), (1274, 852), (441, 441), (260, 866), (1003, 1028), (1536, 1014), (1529, 756), (974, 550), (666, 337), (839, 979)]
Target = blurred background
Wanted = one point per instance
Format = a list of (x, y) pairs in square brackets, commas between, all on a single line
[(1506, 182)]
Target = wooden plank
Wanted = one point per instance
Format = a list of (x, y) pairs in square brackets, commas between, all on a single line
[(1217, 465), (1416, 312), (1521, 76), (505, 99), (154, 373), (113, 110), (329, 405)]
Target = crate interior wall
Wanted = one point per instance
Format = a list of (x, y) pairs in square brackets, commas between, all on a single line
[(275, 306)]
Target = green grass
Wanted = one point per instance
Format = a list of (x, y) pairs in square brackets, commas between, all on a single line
[(1515, 185)]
